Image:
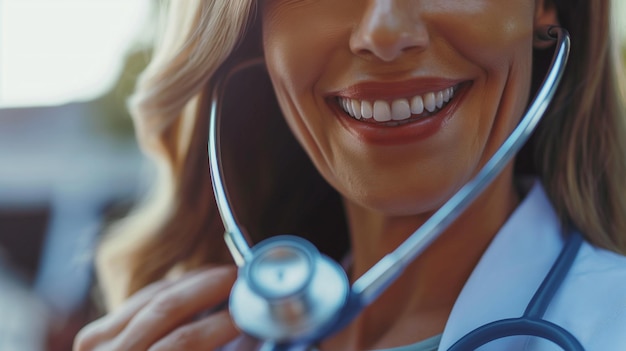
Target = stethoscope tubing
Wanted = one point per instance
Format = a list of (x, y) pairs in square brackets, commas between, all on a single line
[(238, 244), (371, 284), (531, 323)]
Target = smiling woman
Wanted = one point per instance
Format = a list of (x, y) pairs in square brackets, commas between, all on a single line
[(54, 52), (437, 48), (364, 119)]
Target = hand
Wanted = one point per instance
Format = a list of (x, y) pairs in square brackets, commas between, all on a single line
[(161, 316)]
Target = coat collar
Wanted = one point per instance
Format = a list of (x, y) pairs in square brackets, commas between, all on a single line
[(511, 269)]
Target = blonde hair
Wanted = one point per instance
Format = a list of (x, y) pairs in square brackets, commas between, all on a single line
[(580, 145), (198, 37)]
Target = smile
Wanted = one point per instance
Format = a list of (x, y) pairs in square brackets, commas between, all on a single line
[(398, 111)]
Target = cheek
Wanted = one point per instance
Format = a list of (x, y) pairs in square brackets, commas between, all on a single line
[(300, 38), (298, 41), (491, 33), (500, 47)]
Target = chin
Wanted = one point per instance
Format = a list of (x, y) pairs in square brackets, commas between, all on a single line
[(405, 201)]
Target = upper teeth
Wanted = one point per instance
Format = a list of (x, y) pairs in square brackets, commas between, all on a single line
[(397, 110)]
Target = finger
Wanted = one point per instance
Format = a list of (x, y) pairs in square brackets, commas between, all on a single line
[(206, 334), (110, 325), (107, 327), (176, 305)]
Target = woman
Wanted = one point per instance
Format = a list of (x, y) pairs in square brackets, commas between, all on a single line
[(396, 104)]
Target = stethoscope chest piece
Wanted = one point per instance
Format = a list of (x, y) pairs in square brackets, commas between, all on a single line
[(288, 291)]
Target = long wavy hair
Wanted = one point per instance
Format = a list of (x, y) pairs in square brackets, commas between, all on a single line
[(578, 151)]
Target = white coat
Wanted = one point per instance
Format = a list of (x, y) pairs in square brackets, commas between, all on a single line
[(590, 304)]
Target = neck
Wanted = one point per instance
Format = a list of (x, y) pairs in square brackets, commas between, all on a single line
[(417, 305)]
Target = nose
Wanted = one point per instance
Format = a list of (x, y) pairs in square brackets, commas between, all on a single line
[(387, 29)]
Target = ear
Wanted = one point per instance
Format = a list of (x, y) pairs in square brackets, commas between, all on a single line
[(545, 15)]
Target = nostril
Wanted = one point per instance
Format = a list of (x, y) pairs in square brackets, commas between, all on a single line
[(388, 45), (388, 36)]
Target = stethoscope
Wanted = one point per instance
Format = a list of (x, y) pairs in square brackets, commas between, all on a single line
[(289, 295)]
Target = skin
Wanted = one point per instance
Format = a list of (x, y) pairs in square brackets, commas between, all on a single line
[(316, 49), (162, 316)]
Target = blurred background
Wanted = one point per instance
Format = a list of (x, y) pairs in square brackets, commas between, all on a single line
[(69, 163)]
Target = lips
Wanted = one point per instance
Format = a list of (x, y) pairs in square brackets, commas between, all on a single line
[(393, 113)]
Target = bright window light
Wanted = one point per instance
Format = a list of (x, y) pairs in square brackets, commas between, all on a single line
[(57, 51)]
